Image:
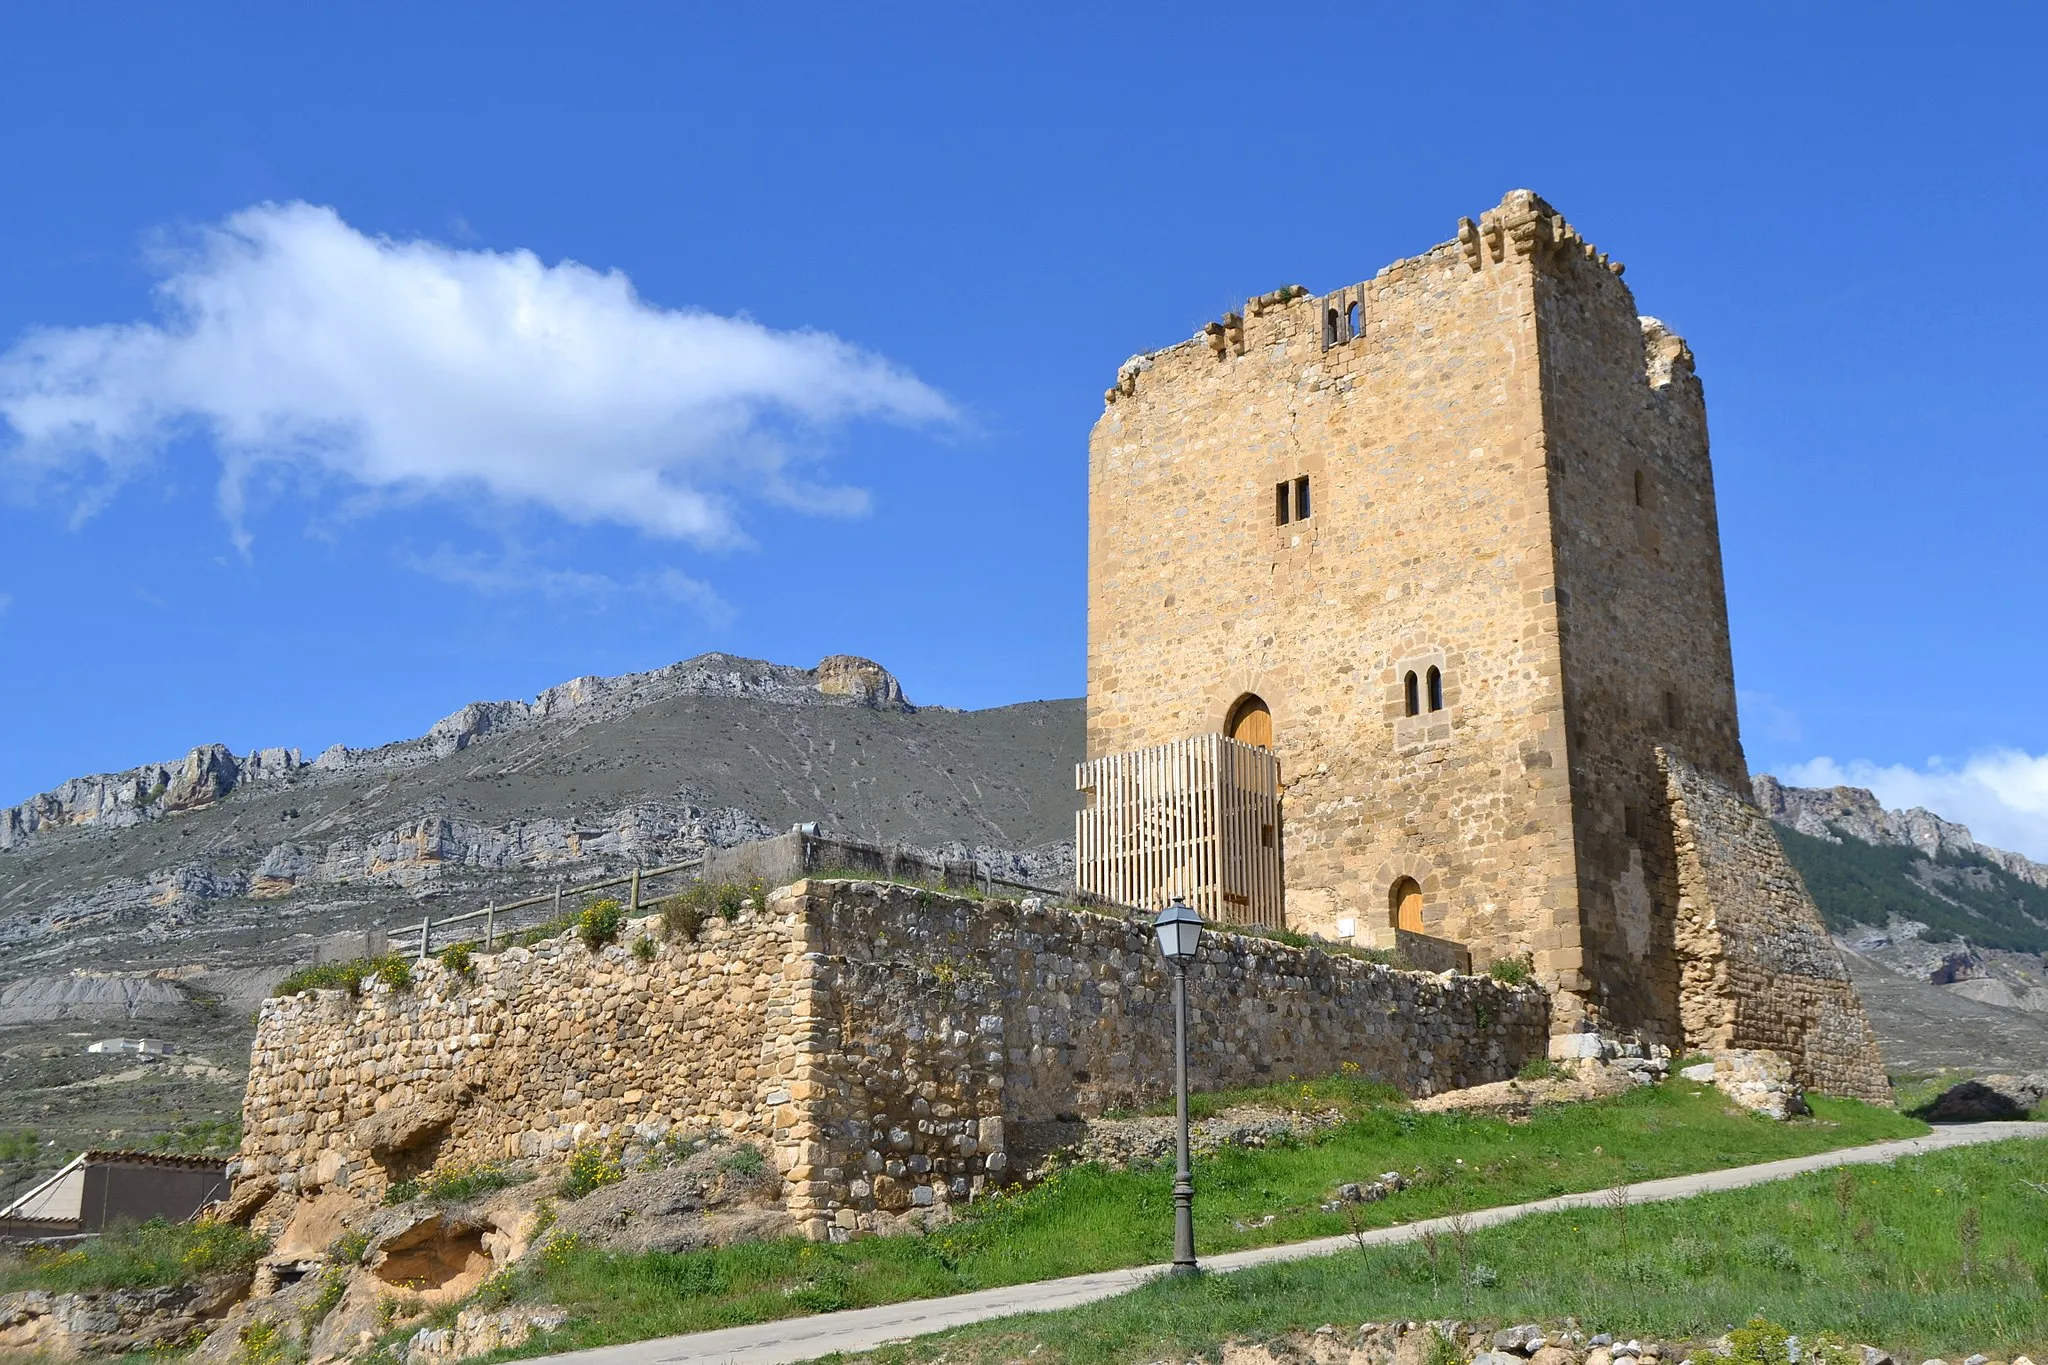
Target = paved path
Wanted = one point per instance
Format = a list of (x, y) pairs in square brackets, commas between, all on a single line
[(861, 1329)]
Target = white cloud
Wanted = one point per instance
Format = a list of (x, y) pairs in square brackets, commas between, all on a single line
[(2001, 794), (511, 574), (410, 369)]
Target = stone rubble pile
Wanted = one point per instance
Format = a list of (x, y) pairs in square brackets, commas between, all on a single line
[(477, 1331)]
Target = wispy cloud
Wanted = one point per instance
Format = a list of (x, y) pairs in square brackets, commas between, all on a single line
[(6, 601), (509, 574), (303, 347), (2001, 794)]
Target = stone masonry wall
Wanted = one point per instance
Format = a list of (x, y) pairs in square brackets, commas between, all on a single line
[(946, 1019), (1757, 967), (880, 1042)]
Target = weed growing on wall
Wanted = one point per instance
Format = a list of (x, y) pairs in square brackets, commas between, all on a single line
[(646, 948), (395, 972), (684, 913), (456, 958), (600, 923), (1512, 971), (457, 1184)]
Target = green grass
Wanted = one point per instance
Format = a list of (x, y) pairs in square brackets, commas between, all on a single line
[(1090, 1218), (137, 1256), (393, 969), (457, 1184), (1930, 1256)]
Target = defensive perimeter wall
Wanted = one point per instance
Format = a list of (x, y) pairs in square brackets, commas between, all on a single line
[(881, 1042)]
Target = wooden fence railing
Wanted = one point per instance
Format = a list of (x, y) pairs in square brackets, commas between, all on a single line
[(419, 940), (1198, 818)]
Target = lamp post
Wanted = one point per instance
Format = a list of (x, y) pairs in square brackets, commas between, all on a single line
[(1180, 934)]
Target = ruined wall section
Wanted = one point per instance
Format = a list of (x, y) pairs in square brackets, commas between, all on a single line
[(1643, 613), (529, 1053), (880, 1042), (1758, 968), (1421, 434)]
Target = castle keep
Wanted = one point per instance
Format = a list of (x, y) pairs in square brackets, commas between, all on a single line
[(1444, 542)]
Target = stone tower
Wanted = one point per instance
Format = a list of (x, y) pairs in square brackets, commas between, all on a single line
[(1446, 541)]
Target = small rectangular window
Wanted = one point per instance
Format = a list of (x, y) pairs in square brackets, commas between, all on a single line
[(1301, 508), (1671, 710), (1631, 824), (1280, 505)]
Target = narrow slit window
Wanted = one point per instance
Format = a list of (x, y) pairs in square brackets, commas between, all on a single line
[(1280, 505), (1301, 505), (1671, 710), (1411, 695), (1631, 823), (1330, 325), (1436, 689), (1640, 489), (1351, 322)]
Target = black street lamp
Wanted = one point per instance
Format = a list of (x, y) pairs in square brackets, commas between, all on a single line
[(1180, 934)]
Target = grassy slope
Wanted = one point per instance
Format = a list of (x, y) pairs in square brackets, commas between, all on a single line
[(1881, 1254), (1858, 883), (1088, 1218)]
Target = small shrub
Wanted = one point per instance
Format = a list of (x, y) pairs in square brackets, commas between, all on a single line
[(401, 1192), (600, 923), (456, 958), (744, 1160), (327, 976), (561, 1250), (20, 1145), (261, 1342), (395, 972), (645, 948), (683, 914), (333, 1284), (730, 898), (541, 933), (1512, 971), (590, 1168), (1543, 1069), (349, 1248), (457, 1184)]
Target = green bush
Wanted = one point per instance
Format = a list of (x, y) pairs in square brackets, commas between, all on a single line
[(136, 1256), (200, 1136), (745, 1160), (333, 1284), (393, 970), (645, 948), (600, 923), (327, 976), (456, 957), (591, 1167), (1543, 1069), (20, 1145), (1512, 971)]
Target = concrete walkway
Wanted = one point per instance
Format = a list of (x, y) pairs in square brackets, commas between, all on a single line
[(861, 1329)]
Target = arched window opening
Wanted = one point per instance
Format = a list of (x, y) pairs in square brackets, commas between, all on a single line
[(1640, 489), (1351, 320), (1411, 695), (1436, 688), (1251, 722), (1404, 905)]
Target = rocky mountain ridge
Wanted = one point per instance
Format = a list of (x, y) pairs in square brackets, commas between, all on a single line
[(1830, 812), (210, 771)]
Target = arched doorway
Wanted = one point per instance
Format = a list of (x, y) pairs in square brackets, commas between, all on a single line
[(1404, 905), (1251, 722)]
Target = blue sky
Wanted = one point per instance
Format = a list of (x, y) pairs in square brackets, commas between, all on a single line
[(897, 253)]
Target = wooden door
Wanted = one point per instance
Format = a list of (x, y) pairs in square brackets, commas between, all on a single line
[(1407, 898), (1251, 722)]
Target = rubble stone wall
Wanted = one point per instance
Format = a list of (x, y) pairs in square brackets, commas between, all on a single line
[(1757, 967), (880, 1041)]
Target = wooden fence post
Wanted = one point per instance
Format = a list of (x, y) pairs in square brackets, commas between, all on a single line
[(426, 937), (490, 923), (634, 907)]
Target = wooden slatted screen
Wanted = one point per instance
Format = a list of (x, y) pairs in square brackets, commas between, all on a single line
[(1198, 817)]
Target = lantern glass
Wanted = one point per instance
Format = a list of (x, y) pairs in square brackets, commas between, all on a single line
[(1179, 930)]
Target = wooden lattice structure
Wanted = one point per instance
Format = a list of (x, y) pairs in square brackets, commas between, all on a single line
[(1198, 818)]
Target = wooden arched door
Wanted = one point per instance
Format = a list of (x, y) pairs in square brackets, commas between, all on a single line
[(1251, 722), (1405, 901)]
